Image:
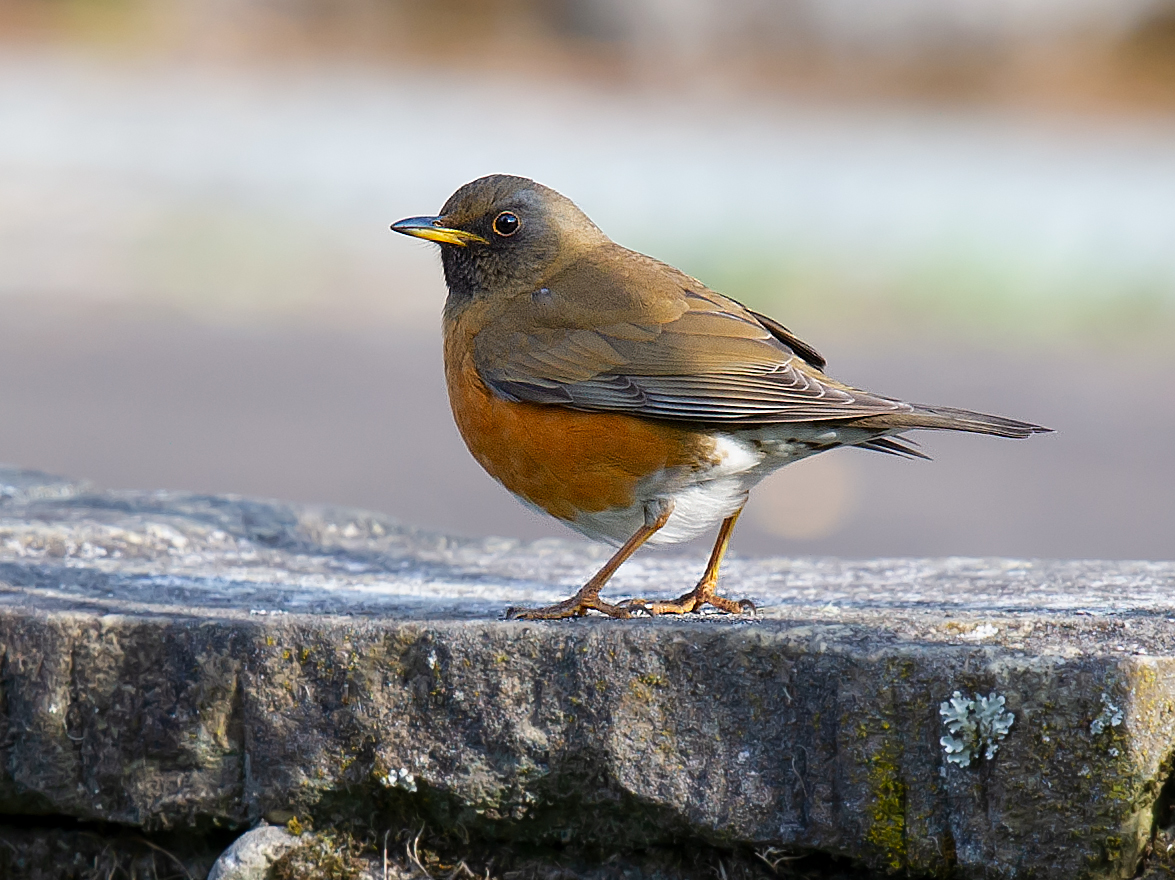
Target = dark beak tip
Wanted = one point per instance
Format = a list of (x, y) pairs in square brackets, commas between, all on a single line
[(433, 229)]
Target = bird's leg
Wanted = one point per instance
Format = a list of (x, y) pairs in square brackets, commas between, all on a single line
[(705, 593), (588, 597)]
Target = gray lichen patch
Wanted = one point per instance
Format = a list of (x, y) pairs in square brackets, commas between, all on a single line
[(1108, 718), (975, 725), (401, 778)]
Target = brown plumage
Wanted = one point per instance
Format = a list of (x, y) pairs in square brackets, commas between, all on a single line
[(623, 396)]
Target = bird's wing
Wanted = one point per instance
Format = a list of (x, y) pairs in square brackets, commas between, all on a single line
[(619, 332)]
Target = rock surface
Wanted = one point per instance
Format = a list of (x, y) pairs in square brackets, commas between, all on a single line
[(181, 664), (253, 853)]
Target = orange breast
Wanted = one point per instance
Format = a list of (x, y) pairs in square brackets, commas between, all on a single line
[(561, 460)]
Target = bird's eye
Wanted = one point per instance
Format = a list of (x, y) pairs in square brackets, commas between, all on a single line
[(506, 224)]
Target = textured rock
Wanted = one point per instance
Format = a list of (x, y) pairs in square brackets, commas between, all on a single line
[(177, 662), (252, 854)]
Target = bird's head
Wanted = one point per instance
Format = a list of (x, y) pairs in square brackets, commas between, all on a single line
[(501, 235)]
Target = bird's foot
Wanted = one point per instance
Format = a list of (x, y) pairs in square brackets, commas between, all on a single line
[(577, 606), (705, 593)]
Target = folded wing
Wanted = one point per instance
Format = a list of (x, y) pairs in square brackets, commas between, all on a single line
[(636, 336)]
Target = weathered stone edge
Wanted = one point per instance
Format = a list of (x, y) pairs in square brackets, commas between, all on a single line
[(233, 720)]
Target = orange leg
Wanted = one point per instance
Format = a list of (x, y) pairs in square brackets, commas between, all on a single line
[(588, 598), (705, 593)]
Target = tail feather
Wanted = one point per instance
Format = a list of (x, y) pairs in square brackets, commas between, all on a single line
[(947, 418), (902, 447)]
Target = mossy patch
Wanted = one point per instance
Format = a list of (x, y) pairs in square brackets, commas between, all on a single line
[(327, 856), (887, 813)]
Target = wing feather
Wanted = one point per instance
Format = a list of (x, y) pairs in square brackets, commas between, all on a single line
[(620, 332)]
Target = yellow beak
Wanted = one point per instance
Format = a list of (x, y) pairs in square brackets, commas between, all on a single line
[(432, 229)]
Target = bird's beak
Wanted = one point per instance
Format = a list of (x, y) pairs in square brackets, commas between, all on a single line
[(434, 229)]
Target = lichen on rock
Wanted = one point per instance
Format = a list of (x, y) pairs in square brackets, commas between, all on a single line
[(1110, 716), (977, 725)]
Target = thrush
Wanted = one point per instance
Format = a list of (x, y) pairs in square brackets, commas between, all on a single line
[(625, 398)]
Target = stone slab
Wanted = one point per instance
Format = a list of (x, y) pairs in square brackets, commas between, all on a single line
[(173, 661)]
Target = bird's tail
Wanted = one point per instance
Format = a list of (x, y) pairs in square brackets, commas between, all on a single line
[(948, 418)]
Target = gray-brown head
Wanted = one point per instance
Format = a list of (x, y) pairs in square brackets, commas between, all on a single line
[(503, 234)]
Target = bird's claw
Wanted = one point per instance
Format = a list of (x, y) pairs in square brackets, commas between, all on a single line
[(576, 606), (584, 602), (636, 607), (690, 603)]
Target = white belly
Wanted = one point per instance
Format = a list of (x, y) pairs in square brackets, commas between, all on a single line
[(701, 499), (704, 498)]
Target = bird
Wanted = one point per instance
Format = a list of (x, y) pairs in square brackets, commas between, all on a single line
[(624, 397)]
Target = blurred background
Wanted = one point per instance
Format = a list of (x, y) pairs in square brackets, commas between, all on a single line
[(963, 202)]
